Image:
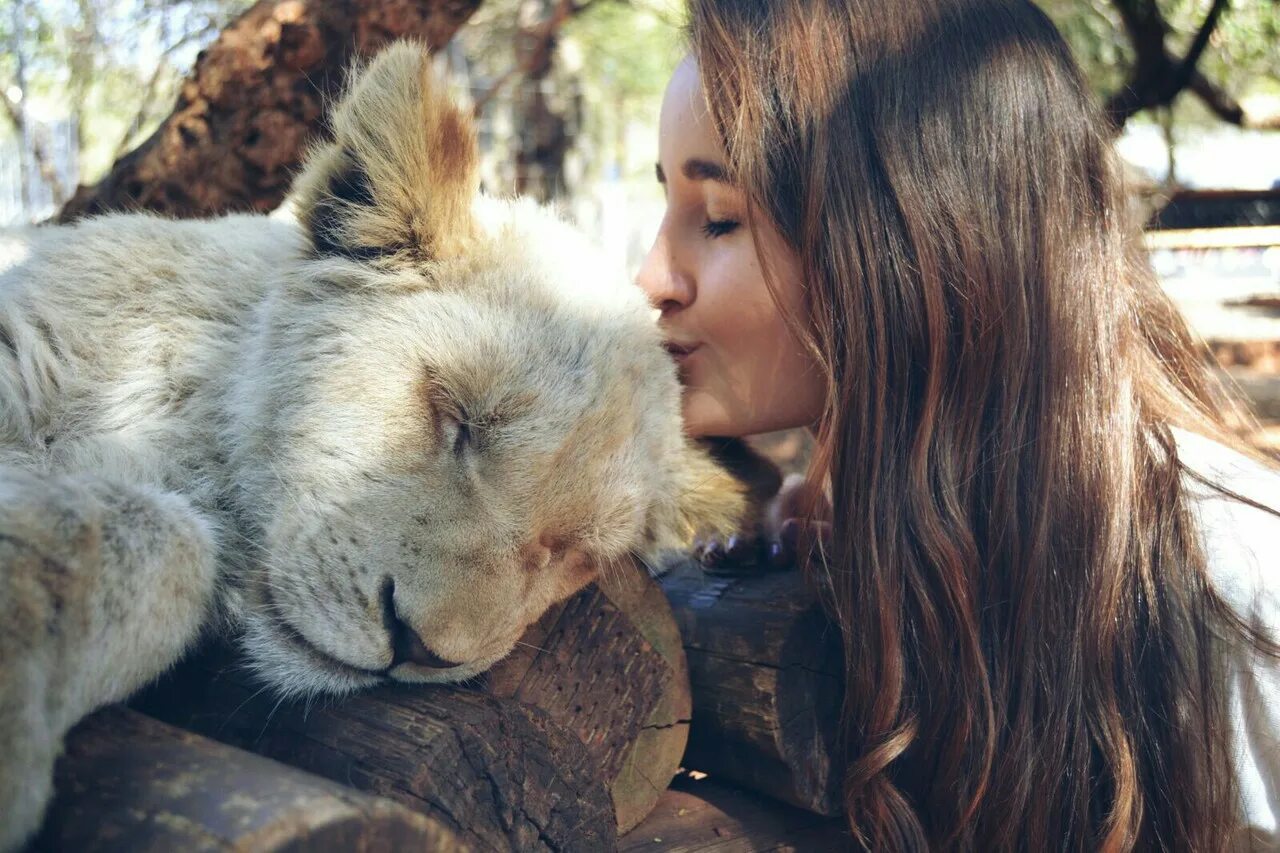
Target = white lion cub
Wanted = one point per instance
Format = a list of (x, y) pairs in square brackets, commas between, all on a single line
[(375, 446)]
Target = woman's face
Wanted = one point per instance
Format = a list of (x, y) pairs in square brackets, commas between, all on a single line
[(742, 369)]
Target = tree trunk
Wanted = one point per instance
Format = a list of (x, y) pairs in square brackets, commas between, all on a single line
[(129, 783), (766, 673), (544, 141), (254, 99), (547, 121)]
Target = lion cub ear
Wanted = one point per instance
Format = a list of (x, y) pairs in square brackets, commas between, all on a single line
[(398, 180)]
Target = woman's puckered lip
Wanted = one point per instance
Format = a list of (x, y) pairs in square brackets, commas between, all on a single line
[(679, 348)]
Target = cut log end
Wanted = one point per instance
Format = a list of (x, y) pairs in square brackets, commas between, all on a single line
[(765, 669)]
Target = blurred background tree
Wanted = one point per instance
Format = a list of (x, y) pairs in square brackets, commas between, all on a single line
[(566, 91), (1144, 54), (194, 107), (564, 82), (82, 81)]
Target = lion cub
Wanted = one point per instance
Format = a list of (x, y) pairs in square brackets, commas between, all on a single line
[(375, 445)]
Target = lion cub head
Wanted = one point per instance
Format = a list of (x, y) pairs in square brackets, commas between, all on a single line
[(456, 412)]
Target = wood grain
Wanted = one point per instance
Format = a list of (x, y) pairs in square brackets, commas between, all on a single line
[(130, 783), (608, 665), (501, 775), (707, 816), (765, 670)]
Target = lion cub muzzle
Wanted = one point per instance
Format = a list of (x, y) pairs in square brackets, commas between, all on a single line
[(406, 645)]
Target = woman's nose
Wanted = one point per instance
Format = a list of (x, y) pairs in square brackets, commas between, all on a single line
[(662, 279)]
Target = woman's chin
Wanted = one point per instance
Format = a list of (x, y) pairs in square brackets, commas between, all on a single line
[(705, 415)]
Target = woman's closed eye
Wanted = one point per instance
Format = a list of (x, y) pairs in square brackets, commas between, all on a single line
[(719, 227)]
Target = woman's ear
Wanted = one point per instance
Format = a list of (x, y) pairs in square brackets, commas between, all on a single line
[(400, 177)]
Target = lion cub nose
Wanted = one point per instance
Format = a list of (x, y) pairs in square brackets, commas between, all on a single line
[(407, 647)]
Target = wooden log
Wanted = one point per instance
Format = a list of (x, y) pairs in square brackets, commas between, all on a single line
[(130, 783), (499, 774), (704, 816), (609, 666), (601, 678), (765, 670)]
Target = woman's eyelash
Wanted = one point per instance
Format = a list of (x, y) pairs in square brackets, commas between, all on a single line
[(719, 227)]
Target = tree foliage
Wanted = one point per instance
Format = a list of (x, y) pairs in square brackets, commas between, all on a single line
[(564, 88), (110, 67), (1133, 52)]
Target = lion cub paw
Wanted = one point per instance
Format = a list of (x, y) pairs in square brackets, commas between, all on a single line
[(101, 588)]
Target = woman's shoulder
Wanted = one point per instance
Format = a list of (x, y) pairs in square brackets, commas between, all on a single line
[(1241, 538), (1228, 467), (1242, 551)]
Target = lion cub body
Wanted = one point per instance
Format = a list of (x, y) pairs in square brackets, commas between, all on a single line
[(374, 445)]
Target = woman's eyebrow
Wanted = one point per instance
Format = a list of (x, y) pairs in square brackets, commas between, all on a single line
[(696, 170), (704, 170)]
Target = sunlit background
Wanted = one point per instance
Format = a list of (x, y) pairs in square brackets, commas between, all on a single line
[(84, 81)]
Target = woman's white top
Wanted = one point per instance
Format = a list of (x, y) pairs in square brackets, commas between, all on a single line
[(1242, 546)]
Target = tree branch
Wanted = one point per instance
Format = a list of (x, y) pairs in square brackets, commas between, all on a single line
[(1187, 67), (48, 172), (11, 110), (1219, 102), (1156, 78), (477, 107), (253, 101), (1227, 108)]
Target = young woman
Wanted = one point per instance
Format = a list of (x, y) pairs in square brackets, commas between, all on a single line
[(900, 223)]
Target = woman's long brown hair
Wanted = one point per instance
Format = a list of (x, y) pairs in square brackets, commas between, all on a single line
[(1030, 637)]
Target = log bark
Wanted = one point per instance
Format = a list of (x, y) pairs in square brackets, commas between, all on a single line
[(608, 665), (501, 775), (129, 783), (704, 816), (765, 670), (254, 98), (592, 711)]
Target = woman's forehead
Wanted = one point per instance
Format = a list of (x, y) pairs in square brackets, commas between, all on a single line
[(685, 128)]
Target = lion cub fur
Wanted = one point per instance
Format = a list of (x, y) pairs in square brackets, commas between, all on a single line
[(417, 410)]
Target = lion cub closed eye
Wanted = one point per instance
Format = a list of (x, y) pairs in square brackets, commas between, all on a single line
[(377, 444)]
